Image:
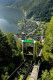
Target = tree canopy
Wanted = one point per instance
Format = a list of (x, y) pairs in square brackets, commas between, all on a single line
[(47, 57), (48, 42), (10, 54)]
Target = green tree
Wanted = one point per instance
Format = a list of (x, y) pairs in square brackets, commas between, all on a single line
[(11, 40), (19, 45), (10, 54), (5, 48), (4, 76), (48, 43), (47, 75)]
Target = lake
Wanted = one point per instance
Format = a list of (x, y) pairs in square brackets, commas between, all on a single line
[(9, 18)]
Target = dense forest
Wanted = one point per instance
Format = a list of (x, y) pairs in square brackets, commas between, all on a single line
[(10, 54), (39, 9), (47, 57)]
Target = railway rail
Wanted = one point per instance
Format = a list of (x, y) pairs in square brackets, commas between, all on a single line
[(24, 69)]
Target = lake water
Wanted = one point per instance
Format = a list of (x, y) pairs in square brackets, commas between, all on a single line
[(9, 18)]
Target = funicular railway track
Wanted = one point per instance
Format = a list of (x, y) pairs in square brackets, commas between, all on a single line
[(24, 69), (22, 72)]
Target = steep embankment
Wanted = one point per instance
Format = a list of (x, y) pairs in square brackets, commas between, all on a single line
[(39, 9)]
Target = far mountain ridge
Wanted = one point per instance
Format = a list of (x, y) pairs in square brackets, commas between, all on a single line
[(11, 2)]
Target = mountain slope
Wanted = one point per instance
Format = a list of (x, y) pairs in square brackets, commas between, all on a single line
[(18, 3), (13, 3), (39, 9)]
